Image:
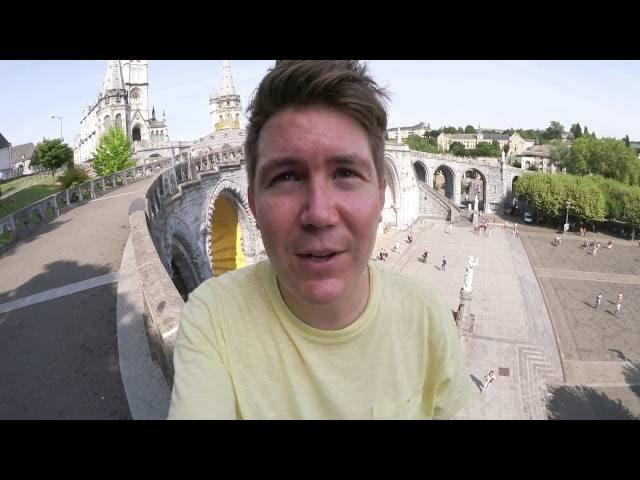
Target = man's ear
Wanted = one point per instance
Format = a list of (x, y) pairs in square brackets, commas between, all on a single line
[(383, 188), (252, 205)]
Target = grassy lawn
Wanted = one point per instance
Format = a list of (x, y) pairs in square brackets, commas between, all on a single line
[(26, 197), (9, 186)]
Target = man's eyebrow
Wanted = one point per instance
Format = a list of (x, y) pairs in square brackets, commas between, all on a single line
[(279, 162), (350, 160)]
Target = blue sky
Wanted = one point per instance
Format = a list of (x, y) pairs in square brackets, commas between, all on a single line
[(604, 95)]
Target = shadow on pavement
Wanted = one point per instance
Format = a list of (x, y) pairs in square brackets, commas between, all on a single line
[(477, 381), (59, 358), (29, 234), (585, 403), (632, 376)]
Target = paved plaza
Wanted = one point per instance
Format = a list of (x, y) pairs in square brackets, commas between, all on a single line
[(533, 321)]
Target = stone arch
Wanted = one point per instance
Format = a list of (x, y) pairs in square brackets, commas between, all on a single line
[(514, 180), (183, 272), (391, 194), (477, 184), (119, 121), (7, 233), (230, 229), (107, 122), (445, 175), (422, 172), (136, 136)]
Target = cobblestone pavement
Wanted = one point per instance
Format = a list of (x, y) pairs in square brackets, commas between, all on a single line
[(509, 329)]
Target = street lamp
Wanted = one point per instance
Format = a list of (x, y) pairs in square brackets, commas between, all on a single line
[(59, 118), (566, 221)]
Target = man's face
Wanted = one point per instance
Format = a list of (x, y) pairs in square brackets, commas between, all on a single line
[(317, 199)]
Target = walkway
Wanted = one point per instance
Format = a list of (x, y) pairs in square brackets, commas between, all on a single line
[(60, 353)]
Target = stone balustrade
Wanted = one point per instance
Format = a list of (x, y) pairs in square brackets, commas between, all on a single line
[(19, 224)]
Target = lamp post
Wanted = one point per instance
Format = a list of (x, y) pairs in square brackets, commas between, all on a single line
[(59, 118), (566, 221)]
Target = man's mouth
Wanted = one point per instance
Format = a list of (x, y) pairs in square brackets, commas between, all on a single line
[(319, 256)]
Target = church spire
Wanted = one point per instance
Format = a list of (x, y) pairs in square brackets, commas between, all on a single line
[(228, 88), (224, 104), (113, 78)]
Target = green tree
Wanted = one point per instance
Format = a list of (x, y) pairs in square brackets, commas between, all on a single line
[(586, 131), (559, 152), (576, 130), (554, 130), (52, 154), (73, 176), (469, 129), (457, 149), (506, 148), (421, 144), (632, 209), (114, 153), (450, 130), (626, 141), (485, 149), (608, 157)]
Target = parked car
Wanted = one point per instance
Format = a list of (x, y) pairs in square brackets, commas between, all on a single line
[(528, 218)]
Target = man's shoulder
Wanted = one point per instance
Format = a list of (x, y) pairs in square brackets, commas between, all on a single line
[(241, 281)]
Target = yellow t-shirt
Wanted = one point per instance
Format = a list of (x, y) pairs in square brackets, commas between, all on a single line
[(241, 353)]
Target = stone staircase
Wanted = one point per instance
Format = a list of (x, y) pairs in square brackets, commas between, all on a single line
[(434, 204)]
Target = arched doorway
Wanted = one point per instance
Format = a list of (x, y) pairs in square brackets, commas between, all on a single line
[(391, 196), (473, 184), (135, 134), (443, 181), (421, 171), (226, 237)]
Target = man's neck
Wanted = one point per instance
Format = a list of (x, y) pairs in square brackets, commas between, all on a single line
[(337, 315)]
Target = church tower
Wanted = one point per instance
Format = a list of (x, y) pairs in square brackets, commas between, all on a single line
[(136, 82), (224, 105), (112, 104)]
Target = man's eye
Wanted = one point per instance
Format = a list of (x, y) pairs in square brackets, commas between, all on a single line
[(345, 173), (284, 177)]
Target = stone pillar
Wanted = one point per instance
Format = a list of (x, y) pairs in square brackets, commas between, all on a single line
[(456, 189), (113, 181), (67, 196), (464, 310), (93, 190)]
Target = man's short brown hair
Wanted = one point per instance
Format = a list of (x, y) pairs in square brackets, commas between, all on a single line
[(340, 84)]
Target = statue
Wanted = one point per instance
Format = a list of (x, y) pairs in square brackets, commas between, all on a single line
[(475, 203), (468, 274)]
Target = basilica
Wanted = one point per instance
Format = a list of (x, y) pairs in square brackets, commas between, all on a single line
[(124, 102)]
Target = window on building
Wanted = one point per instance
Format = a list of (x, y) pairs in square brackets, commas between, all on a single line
[(119, 121), (107, 122)]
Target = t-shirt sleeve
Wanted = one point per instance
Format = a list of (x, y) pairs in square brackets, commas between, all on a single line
[(202, 387), (450, 383)]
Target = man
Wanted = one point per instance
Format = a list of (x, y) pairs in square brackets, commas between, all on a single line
[(317, 331), (444, 264), (598, 300), (488, 380)]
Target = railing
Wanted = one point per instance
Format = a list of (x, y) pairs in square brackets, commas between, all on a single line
[(58, 203), (163, 303), (454, 211)]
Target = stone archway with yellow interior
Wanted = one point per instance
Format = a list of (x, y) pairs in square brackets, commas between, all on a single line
[(230, 243)]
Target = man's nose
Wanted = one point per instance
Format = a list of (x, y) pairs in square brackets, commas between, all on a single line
[(319, 209)]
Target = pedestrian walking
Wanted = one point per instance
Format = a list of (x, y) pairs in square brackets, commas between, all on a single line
[(618, 305), (619, 297), (488, 380), (449, 228), (425, 255), (598, 300), (396, 247), (444, 264)]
